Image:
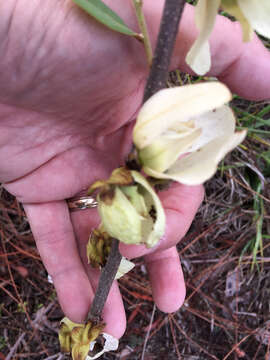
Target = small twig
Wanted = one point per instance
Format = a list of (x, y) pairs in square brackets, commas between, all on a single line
[(105, 282), (138, 5), (59, 356), (15, 347), (167, 34), (148, 331)]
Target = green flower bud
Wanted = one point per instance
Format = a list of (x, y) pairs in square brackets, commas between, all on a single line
[(130, 209)]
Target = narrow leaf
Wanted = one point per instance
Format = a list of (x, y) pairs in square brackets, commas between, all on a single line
[(105, 15)]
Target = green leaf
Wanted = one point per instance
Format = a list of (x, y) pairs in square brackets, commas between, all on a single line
[(105, 15)]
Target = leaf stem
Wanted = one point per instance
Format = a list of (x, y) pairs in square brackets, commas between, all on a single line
[(138, 5), (156, 81)]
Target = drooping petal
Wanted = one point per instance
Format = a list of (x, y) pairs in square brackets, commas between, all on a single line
[(171, 106), (258, 14), (64, 338), (216, 123), (70, 324), (232, 7), (80, 352), (199, 166), (164, 151), (153, 202), (199, 57)]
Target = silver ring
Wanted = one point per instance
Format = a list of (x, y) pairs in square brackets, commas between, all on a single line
[(82, 203)]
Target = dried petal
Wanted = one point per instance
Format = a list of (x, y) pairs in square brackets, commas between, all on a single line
[(124, 267)]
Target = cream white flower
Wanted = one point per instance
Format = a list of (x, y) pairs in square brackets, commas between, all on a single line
[(182, 133), (252, 14)]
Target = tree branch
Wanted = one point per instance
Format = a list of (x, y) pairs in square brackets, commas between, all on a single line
[(157, 80), (105, 282), (166, 39)]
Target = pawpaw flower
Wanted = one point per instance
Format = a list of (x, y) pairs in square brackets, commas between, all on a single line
[(252, 14), (182, 133), (77, 338), (129, 208)]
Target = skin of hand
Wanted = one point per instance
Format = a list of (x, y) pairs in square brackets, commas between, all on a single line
[(69, 92)]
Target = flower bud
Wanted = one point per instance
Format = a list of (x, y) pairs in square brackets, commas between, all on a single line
[(130, 209)]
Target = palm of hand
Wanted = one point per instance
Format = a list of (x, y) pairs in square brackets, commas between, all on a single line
[(63, 126), (64, 117), (66, 122), (69, 90)]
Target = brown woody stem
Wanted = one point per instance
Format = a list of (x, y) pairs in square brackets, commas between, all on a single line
[(105, 282), (156, 81)]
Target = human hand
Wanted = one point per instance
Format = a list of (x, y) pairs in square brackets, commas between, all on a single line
[(69, 90)]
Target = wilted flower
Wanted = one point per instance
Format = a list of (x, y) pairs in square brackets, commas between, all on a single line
[(182, 133), (252, 14), (129, 208), (98, 249), (77, 338)]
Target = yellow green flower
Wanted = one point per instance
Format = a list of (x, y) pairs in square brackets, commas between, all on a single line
[(252, 14), (129, 208), (182, 133)]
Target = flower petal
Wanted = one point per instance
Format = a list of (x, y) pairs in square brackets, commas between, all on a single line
[(70, 324), (124, 267), (165, 151), (258, 14), (136, 199), (64, 338), (170, 106), (80, 352), (199, 166), (199, 57), (216, 123), (159, 224), (111, 344), (120, 219), (232, 7)]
